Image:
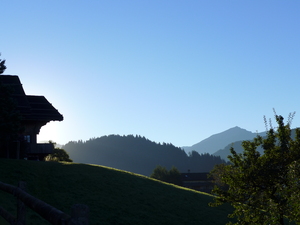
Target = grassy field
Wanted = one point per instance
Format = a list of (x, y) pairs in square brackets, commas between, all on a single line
[(114, 196)]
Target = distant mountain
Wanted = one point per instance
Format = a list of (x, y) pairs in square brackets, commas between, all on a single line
[(223, 153), (218, 141), (138, 154)]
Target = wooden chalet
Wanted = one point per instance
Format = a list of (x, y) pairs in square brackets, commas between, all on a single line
[(197, 181), (35, 112)]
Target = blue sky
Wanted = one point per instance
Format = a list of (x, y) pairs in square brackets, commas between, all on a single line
[(172, 71)]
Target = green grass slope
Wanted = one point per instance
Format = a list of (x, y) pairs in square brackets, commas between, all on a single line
[(114, 196)]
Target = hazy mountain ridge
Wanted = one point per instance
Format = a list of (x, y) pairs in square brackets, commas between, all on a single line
[(237, 145), (138, 154), (218, 141), (223, 153)]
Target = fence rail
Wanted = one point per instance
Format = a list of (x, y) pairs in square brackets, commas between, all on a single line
[(79, 212)]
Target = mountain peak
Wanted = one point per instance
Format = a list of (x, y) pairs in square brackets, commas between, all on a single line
[(217, 141), (238, 129)]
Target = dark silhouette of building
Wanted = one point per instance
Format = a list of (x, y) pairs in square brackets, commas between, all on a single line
[(197, 181), (35, 112)]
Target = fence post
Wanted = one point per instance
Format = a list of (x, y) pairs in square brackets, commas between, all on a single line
[(80, 214), (21, 208)]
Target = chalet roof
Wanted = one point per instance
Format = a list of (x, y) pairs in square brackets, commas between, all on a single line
[(31, 107)]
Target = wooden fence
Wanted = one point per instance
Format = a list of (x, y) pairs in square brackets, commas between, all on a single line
[(79, 212)]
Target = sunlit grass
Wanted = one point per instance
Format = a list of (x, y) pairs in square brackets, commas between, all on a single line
[(114, 196)]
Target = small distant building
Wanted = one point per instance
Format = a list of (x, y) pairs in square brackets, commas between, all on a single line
[(35, 112), (197, 181)]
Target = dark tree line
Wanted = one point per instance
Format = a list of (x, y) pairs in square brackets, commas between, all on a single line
[(138, 154)]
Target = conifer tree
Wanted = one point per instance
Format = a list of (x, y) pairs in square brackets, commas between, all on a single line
[(2, 66), (264, 189)]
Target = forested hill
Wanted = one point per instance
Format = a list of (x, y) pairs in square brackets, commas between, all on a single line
[(138, 154)]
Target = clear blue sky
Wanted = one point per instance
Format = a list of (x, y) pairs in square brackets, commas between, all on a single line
[(172, 71)]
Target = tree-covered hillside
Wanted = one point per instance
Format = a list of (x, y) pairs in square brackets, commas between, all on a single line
[(138, 154)]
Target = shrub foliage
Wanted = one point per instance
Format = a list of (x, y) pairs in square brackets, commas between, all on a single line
[(172, 176), (263, 189)]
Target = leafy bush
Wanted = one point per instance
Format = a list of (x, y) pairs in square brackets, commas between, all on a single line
[(172, 176)]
